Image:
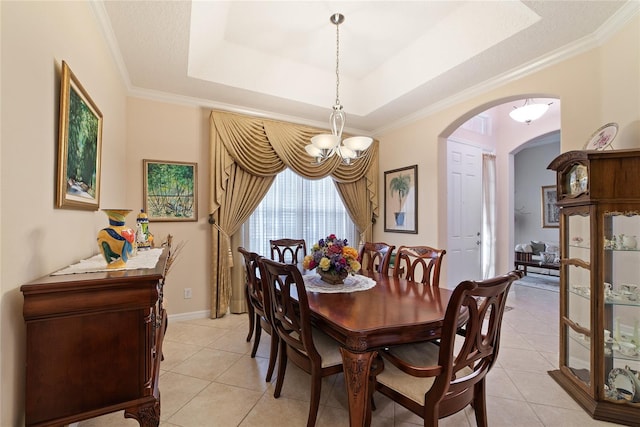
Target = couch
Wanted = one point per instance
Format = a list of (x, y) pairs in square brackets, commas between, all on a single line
[(543, 257)]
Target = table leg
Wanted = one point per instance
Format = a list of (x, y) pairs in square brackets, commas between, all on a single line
[(357, 367)]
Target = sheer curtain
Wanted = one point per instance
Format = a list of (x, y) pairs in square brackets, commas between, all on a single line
[(488, 215), (298, 208)]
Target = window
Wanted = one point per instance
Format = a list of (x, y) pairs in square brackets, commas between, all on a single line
[(296, 207)]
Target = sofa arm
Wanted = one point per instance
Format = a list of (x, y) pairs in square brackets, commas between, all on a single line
[(523, 256)]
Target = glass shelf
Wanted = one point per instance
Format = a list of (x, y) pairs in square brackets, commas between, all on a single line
[(619, 302), (619, 250), (581, 291)]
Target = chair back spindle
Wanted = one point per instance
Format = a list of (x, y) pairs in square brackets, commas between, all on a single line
[(289, 251), (420, 264), (376, 257)]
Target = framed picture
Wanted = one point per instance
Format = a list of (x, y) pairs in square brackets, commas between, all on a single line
[(79, 146), (170, 190), (401, 200), (550, 210)]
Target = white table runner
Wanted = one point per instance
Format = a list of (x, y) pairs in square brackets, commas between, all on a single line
[(143, 259)]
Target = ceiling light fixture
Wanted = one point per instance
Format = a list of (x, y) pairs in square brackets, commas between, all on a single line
[(324, 146), (529, 112)]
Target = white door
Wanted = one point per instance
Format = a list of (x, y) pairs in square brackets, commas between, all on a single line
[(464, 212)]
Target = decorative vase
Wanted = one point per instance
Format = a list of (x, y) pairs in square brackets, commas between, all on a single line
[(332, 277), (116, 242), (144, 239)]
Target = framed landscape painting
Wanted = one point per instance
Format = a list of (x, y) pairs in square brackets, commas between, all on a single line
[(401, 200), (550, 210), (170, 190), (79, 146)]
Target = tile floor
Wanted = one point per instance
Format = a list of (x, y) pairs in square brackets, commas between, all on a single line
[(209, 379)]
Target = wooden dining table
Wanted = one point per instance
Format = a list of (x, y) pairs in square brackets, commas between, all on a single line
[(395, 311)]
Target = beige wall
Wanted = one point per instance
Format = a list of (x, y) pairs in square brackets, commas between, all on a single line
[(595, 87), (160, 131), (36, 237)]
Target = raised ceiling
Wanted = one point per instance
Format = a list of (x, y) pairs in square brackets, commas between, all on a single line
[(397, 59)]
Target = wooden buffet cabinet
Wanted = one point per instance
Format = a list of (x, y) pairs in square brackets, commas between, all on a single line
[(94, 345), (599, 199)]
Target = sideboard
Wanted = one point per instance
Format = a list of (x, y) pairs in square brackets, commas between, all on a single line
[(94, 345)]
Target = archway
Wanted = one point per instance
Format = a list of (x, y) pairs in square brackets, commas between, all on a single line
[(503, 139)]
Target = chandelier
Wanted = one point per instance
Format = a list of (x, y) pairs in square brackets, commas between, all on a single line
[(325, 145), (529, 112)]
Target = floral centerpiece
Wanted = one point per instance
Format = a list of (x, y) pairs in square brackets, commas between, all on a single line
[(333, 259)]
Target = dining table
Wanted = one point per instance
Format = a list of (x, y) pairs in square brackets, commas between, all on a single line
[(391, 311)]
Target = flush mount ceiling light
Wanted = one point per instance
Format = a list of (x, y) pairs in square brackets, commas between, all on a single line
[(324, 146), (529, 112)]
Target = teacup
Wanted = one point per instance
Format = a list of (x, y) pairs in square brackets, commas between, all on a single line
[(628, 348)]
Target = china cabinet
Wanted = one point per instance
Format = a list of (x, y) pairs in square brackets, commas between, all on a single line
[(598, 193), (94, 345)]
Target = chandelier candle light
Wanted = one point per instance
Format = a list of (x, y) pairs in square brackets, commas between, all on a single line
[(324, 146), (333, 259)]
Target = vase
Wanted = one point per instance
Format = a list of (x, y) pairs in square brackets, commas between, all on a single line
[(332, 277), (116, 242), (144, 239)]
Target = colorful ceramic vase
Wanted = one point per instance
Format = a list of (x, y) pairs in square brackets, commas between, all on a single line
[(144, 238), (117, 241)]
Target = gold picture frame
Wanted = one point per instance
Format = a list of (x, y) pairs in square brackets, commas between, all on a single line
[(170, 190), (550, 210), (79, 146)]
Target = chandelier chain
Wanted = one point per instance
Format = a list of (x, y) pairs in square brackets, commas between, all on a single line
[(337, 64)]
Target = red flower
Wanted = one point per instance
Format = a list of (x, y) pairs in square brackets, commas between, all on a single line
[(335, 249)]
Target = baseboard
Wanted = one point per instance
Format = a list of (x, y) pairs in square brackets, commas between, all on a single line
[(181, 317)]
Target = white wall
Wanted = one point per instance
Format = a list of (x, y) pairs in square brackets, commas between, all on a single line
[(36, 237)]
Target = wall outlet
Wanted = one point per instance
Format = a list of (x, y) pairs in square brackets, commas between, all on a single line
[(187, 293)]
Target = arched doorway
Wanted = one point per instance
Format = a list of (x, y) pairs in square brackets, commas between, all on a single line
[(490, 129)]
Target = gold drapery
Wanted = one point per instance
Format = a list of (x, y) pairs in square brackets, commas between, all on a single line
[(246, 155)]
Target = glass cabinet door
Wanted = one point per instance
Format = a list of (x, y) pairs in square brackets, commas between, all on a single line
[(621, 308), (576, 322)]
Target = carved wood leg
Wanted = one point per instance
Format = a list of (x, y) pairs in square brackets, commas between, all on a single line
[(146, 415), (356, 373)]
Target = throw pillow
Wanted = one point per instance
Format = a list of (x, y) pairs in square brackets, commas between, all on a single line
[(551, 247), (537, 247), (548, 257)]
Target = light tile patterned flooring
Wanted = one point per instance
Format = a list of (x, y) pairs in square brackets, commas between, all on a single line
[(209, 379)]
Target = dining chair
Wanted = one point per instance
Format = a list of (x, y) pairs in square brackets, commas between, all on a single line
[(290, 251), (258, 305), (310, 349), (437, 380), (420, 264), (375, 257)]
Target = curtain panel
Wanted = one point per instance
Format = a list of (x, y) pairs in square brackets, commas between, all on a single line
[(488, 215), (246, 154)]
